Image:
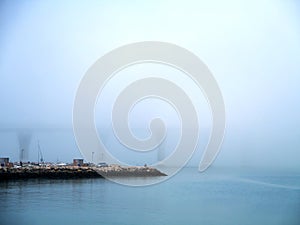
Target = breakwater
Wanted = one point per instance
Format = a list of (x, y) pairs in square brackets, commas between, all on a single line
[(65, 172)]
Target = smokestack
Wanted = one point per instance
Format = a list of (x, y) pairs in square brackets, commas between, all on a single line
[(24, 142), (161, 151)]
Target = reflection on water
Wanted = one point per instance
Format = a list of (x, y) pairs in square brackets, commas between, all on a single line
[(187, 198)]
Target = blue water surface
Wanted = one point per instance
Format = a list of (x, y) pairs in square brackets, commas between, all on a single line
[(188, 198)]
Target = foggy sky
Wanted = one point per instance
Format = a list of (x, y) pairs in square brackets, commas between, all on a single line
[(252, 49)]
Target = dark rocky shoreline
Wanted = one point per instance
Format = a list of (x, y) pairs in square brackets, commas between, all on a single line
[(75, 172)]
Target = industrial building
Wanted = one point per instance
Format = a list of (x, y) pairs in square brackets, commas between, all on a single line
[(77, 162), (4, 161)]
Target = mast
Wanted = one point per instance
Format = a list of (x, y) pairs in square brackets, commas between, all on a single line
[(40, 154)]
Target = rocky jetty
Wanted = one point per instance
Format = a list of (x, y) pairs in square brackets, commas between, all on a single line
[(65, 172), (130, 171)]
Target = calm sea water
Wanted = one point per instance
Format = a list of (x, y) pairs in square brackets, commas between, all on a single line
[(187, 198)]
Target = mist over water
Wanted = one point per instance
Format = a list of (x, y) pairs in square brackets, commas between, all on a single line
[(252, 48)]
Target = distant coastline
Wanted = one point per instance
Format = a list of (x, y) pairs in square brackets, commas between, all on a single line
[(76, 172)]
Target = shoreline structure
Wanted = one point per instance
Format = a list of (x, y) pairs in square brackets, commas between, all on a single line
[(74, 172)]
